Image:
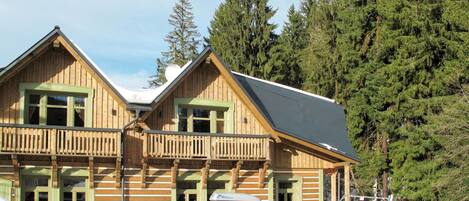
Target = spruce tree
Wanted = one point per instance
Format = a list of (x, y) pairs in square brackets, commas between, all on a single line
[(391, 62), (183, 41), (320, 56), (241, 33), (284, 65)]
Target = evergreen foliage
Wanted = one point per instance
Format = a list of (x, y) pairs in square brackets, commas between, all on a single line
[(284, 64), (241, 33), (183, 41)]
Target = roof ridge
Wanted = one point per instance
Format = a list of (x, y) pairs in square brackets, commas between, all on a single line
[(285, 87)]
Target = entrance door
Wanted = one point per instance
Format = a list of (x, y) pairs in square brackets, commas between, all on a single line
[(36, 188), (285, 191)]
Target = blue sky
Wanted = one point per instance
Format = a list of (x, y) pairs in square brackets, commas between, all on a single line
[(123, 37)]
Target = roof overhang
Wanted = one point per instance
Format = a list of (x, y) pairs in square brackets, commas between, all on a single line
[(57, 36)]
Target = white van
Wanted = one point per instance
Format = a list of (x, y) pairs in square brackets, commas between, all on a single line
[(232, 197)]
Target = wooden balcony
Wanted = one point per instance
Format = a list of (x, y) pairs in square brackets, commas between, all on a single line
[(183, 145), (59, 141)]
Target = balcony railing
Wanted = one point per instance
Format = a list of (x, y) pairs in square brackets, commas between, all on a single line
[(183, 145), (60, 141)]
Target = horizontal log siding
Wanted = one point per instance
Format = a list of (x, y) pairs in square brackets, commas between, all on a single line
[(60, 67), (205, 82)]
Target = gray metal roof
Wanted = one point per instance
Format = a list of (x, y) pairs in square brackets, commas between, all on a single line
[(311, 118)]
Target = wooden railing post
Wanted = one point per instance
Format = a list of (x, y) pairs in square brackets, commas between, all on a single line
[(53, 145), (209, 148), (120, 136), (145, 145)]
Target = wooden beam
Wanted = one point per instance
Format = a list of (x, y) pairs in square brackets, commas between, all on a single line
[(16, 169), (54, 172), (118, 172), (91, 172), (347, 182), (235, 174), (205, 173), (262, 172), (144, 172), (341, 164), (174, 173), (334, 186)]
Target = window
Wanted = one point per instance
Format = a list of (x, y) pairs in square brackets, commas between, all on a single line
[(56, 109), (74, 188), (285, 191), (186, 191), (36, 188), (201, 119), (216, 186)]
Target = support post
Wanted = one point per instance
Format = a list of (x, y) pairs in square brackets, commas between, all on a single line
[(118, 172), (144, 172), (347, 182), (91, 172), (205, 173), (235, 174), (334, 186), (174, 173), (54, 172), (16, 174), (262, 172)]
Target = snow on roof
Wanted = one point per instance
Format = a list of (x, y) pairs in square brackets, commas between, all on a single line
[(139, 96), (147, 96), (286, 87)]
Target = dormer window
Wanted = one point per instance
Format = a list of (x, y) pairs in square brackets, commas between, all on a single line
[(203, 116), (202, 120)]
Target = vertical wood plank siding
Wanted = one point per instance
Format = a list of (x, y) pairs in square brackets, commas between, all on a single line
[(205, 82), (60, 67)]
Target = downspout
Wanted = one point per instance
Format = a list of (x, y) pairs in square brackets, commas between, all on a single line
[(122, 170)]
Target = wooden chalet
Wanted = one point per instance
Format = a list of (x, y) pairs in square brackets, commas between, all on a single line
[(68, 133)]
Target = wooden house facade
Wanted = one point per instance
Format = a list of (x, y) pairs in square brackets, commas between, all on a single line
[(68, 133)]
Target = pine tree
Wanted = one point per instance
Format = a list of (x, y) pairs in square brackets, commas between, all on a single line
[(183, 41), (241, 33), (284, 65)]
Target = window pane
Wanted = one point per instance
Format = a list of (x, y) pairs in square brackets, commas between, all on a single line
[(182, 112), (80, 101), (79, 117), (289, 196), (57, 116), (36, 181), (201, 113), (186, 185), (29, 196), (181, 197), (56, 100), (216, 185), (192, 197), (43, 196), (81, 196), (34, 99), (33, 115), (220, 127), (285, 185), (202, 126), (182, 125), (220, 114), (74, 182), (68, 196)]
